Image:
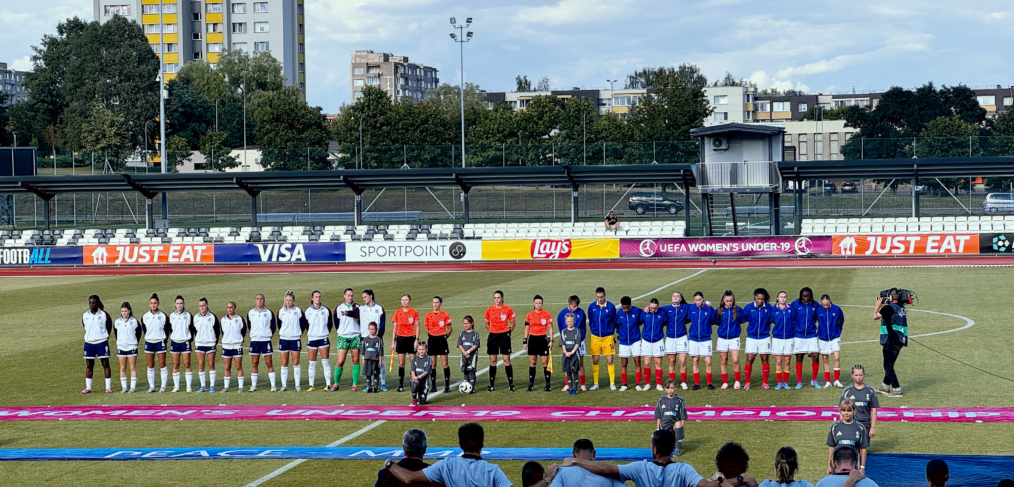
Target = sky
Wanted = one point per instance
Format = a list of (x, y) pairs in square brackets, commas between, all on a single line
[(819, 47)]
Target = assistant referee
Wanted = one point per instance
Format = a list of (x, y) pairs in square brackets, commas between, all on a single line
[(500, 322)]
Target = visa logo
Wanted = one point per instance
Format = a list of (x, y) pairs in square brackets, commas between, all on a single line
[(281, 252)]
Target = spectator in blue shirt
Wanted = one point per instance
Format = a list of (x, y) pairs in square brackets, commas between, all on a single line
[(661, 470), (467, 470), (581, 322)]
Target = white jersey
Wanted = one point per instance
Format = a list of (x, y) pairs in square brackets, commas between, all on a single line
[(288, 327), (368, 314), (126, 333), (262, 324), (319, 321), (207, 329), (348, 326), (233, 331), (95, 327), (181, 323), (154, 326)]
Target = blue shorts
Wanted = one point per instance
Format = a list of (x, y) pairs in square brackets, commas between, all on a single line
[(228, 352), (157, 347), (175, 347), (211, 349), (260, 348), (126, 353), (290, 345), (96, 350), (315, 344)]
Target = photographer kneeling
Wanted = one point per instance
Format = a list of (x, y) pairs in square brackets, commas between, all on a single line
[(890, 310)]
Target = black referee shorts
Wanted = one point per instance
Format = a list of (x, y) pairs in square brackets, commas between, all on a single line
[(437, 345), (404, 345), (498, 344), (538, 345)]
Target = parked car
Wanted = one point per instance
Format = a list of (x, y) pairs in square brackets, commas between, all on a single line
[(829, 188), (848, 187), (641, 203), (998, 203)]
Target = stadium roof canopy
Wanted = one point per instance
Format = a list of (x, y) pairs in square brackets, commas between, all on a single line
[(931, 167)]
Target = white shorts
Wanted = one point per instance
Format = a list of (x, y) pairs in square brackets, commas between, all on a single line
[(652, 349), (781, 346), (633, 350), (726, 345), (758, 346), (675, 346), (827, 348), (700, 349), (804, 345)]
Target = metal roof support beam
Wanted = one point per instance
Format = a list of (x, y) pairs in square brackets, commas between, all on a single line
[(465, 188), (574, 194), (253, 205), (686, 203), (915, 190), (358, 190), (45, 200), (137, 187)]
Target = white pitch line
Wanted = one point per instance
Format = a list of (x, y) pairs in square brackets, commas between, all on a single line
[(968, 323), (671, 284)]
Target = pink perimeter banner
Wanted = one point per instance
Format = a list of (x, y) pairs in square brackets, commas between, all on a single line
[(479, 413), (725, 247)]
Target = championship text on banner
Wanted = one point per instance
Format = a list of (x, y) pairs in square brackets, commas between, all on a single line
[(914, 244), (41, 256), (725, 247), (149, 254), (414, 251), (563, 248), (484, 413), (281, 252)]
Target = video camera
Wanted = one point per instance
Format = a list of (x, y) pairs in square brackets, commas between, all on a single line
[(904, 296)]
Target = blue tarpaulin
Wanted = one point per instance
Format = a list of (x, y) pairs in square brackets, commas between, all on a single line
[(909, 470)]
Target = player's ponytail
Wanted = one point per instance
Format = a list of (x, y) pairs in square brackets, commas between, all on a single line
[(786, 463), (130, 312)]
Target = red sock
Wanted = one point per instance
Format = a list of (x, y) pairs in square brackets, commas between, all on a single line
[(658, 376), (735, 374), (827, 376), (778, 377), (672, 375), (683, 377), (637, 377), (747, 371), (816, 368), (647, 375), (697, 378), (766, 370), (725, 378), (837, 375), (799, 372), (623, 377), (582, 379), (709, 378)]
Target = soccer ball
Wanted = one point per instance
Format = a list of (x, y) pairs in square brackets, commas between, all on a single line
[(465, 387)]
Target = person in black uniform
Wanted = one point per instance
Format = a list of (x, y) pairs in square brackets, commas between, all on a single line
[(893, 337)]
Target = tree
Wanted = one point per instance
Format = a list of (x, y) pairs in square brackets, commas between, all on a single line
[(204, 78), (177, 152), (543, 84), (261, 71), (217, 156), (188, 113), (5, 121), (948, 137), (1001, 143), (101, 133), (291, 134), (676, 105), (728, 80), (814, 113), (776, 92), (448, 97), (523, 84)]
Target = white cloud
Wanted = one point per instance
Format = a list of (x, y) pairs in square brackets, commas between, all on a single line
[(574, 11), (22, 64)]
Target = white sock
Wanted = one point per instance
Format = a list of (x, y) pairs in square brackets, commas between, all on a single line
[(190, 378), (109, 382), (123, 382), (253, 380), (88, 384), (241, 382), (200, 375), (271, 379), (383, 376), (151, 377), (226, 385), (211, 377), (285, 375), (312, 373), (164, 372), (297, 373), (176, 380), (133, 382), (327, 372)]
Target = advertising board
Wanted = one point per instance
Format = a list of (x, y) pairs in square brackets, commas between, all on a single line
[(551, 249), (775, 246), (414, 251)]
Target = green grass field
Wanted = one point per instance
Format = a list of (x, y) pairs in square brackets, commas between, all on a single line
[(42, 366)]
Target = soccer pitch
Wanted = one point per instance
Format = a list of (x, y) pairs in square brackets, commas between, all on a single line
[(42, 366)]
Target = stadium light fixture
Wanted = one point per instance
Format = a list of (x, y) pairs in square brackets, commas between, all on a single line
[(453, 21), (461, 38)]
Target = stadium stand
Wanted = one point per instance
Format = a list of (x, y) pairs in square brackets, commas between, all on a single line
[(936, 224), (341, 233)]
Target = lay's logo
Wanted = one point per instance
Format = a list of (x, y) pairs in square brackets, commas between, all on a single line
[(550, 249)]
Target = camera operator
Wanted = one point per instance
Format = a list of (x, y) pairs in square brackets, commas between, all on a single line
[(891, 312)]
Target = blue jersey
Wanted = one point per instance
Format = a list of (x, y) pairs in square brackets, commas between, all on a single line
[(653, 325), (580, 321), (759, 320), (601, 319), (628, 325), (730, 321), (701, 318), (829, 323), (806, 319), (784, 321), (676, 319)]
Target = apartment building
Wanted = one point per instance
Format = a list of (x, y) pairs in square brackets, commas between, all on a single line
[(13, 83), (618, 101), (205, 29), (396, 75)]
